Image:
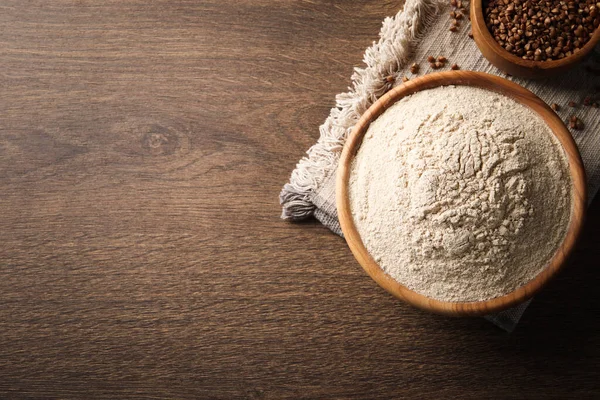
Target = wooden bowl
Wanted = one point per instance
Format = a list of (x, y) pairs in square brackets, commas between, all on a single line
[(492, 83), (513, 64)]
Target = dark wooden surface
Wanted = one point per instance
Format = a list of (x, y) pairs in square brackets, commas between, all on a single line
[(143, 145)]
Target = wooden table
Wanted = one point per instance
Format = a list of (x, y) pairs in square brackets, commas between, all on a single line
[(143, 145)]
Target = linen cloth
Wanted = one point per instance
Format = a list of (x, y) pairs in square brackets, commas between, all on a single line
[(420, 30)]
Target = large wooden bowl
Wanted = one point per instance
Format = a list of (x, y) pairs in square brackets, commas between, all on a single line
[(513, 64), (492, 83)]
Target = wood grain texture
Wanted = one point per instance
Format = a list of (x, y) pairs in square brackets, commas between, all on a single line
[(488, 82), (143, 145), (511, 63)]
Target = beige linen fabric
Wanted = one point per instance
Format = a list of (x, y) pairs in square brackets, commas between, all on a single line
[(415, 33)]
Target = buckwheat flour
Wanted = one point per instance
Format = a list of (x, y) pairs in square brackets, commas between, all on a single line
[(460, 194)]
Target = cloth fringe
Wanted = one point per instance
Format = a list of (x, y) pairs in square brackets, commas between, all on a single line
[(398, 36)]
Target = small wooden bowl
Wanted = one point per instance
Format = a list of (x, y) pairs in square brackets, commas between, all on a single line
[(492, 83), (513, 64)]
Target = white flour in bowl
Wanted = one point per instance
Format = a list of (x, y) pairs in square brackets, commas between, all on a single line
[(460, 194)]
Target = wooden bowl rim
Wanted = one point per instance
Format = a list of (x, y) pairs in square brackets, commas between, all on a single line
[(488, 82), (478, 22)]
